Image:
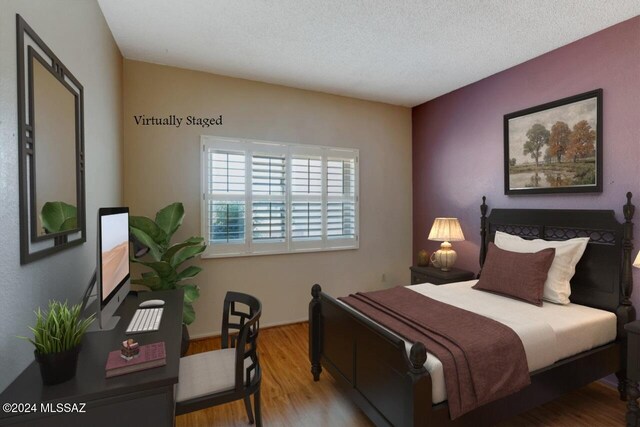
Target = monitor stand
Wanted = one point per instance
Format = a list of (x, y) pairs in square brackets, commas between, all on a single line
[(96, 326), (110, 324), (90, 306)]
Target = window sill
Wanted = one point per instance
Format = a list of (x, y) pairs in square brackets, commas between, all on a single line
[(210, 255)]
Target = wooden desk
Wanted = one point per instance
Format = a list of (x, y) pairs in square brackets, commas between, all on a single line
[(137, 399)]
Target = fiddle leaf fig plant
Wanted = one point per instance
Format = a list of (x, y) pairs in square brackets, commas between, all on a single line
[(154, 250)]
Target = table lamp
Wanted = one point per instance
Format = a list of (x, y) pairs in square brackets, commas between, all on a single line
[(445, 230)]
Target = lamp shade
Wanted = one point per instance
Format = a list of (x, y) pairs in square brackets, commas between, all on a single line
[(636, 263), (446, 230)]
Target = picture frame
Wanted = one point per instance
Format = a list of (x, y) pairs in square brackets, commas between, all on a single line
[(555, 147)]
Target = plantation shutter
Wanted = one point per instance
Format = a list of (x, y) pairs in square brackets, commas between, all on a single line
[(268, 206), (224, 199), (261, 197), (341, 199), (307, 211)]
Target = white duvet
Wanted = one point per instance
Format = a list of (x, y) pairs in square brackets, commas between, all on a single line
[(548, 333)]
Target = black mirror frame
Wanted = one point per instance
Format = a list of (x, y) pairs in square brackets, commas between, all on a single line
[(27, 148)]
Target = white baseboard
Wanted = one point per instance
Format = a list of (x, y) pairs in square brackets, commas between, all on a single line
[(268, 325)]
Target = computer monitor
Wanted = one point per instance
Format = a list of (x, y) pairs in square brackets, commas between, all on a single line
[(113, 275)]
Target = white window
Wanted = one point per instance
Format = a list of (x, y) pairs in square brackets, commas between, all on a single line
[(262, 197)]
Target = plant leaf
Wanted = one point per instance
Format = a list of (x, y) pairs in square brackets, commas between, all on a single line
[(145, 239), (163, 269), (188, 313), (69, 224), (191, 241), (170, 218), (191, 293), (165, 272), (188, 272), (149, 227), (186, 253), (59, 328), (54, 215), (152, 282)]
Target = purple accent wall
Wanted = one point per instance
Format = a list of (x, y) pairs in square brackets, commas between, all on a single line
[(458, 137)]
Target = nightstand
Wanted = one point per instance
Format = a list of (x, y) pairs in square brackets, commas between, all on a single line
[(439, 277), (633, 372)]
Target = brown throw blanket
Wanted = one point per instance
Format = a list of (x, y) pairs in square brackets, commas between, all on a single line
[(483, 360)]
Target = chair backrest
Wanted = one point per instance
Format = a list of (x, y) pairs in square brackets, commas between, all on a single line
[(241, 313)]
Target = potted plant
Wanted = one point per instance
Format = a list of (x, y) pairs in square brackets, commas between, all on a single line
[(57, 335), (153, 249)]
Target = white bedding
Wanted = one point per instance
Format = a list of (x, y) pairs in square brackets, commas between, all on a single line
[(548, 333)]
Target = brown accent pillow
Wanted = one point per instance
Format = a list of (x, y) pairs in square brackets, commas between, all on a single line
[(516, 275)]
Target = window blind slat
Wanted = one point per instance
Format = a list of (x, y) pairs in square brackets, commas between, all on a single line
[(227, 221), (341, 177), (341, 219), (269, 221), (306, 175), (268, 174), (306, 220), (226, 172)]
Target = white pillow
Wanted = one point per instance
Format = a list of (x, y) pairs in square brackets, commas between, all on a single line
[(568, 252)]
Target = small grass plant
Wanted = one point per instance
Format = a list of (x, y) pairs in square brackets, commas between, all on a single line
[(59, 328)]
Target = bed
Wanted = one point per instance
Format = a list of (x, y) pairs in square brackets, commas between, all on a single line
[(395, 383)]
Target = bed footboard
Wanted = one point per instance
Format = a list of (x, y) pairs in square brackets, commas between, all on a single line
[(394, 389), (391, 387)]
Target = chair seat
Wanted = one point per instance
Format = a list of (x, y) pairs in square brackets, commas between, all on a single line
[(207, 373)]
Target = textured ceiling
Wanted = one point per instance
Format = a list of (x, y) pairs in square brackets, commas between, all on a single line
[(400, 52)]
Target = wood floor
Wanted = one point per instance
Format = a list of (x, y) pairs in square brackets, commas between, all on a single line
[(291, 398)]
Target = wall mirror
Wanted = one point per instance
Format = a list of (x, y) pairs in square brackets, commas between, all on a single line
[(51, 151)]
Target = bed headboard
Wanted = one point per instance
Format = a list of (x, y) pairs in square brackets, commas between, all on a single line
[(603, 275)]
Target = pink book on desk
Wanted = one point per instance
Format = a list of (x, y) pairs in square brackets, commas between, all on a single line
[(151, 356)]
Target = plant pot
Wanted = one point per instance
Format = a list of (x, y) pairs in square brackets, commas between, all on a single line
[(57, 368), (186, 340)]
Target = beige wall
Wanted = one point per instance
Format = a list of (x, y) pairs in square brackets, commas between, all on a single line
[(78, 34), (161, 165)]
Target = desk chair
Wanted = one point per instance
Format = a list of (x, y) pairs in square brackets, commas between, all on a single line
[(231, 373)]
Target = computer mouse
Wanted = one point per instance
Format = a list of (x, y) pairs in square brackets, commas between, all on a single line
[(151, 303)]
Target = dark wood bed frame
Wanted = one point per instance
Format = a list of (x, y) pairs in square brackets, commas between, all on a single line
[(394, 388)]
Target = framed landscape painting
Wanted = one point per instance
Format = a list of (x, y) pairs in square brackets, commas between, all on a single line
[(555, 147)]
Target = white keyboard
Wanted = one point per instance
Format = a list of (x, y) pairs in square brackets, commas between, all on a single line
[(145, 320)]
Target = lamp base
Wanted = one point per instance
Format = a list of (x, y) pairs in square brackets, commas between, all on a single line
[(445, 257)]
